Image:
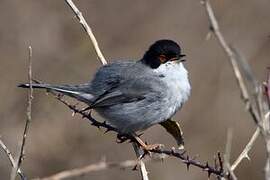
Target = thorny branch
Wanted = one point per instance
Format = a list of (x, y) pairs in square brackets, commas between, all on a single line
[(217, 170), (256, 103)]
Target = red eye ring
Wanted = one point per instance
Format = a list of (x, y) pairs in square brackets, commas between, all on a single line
[(162, 58)]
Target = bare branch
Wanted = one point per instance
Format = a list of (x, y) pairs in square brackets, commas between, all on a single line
[(27, 122), (139, 154), (244, 153), (102, 165), (228, 154), (11, 159), (256, 103), (253, 109), (267, 86), (87, 29), (215, 28)]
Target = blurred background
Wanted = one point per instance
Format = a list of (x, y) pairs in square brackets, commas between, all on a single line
[(62, 53)]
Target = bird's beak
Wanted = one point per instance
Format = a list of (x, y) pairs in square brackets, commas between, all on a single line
[(179, 58)]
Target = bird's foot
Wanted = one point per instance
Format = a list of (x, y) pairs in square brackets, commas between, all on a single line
[(151, 147), (147, 147)]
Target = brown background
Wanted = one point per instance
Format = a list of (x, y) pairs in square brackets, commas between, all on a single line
[(62, 53)]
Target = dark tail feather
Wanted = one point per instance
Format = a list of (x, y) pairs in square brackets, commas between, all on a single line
[(77, 91)]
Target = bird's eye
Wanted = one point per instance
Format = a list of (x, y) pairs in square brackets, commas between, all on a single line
[(162, 58)]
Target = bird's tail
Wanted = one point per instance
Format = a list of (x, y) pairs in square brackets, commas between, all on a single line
[(76, 91)]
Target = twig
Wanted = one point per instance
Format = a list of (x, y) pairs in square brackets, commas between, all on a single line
[(258, 107), (268, 86), (27, 122), (139, 155), (244, 153), (87, 29), (228, 154), (214, 27), (102, 165), (11, 159)]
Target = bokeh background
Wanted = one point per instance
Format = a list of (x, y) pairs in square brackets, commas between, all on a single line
[(62, 53)]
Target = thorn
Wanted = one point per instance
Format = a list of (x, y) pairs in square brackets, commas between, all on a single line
[(173, 150), (187, 162), (220, 161), (107, 130), (104, 123), (208, 35), (73, 113), (188, 165), (215, 162), (247, 156), (209, 174), (146, 142), (207, 165), (135, 168)]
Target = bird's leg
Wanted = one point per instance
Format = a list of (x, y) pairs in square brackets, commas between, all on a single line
[(174, 129), (146, 147)]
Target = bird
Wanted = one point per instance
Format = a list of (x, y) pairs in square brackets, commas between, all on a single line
[(135, 95)]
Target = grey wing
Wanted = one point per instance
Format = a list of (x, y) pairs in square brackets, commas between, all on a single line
[(108, 77), (131, 90)]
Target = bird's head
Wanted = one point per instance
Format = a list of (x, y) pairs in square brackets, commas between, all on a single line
[(161, 52)]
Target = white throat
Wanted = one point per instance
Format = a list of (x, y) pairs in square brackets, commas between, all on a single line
[(176, 78)]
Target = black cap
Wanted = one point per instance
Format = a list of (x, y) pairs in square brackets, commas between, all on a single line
[(165, 48)]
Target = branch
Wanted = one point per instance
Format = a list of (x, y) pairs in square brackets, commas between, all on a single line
[(217, 170), (11, 159), (27, 122), (258, 106), (228, 154), (139, 153), (102, 165), (214, 27), (267, 86), (87, 29), (244, 153)]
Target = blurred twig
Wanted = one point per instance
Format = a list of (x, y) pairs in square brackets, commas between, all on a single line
[(228, 154), (87, 29), (11, 159), (244, 153), (214, 27), (254, 99), (267, 85), (139, 153), (27, 122), (102, 165)]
